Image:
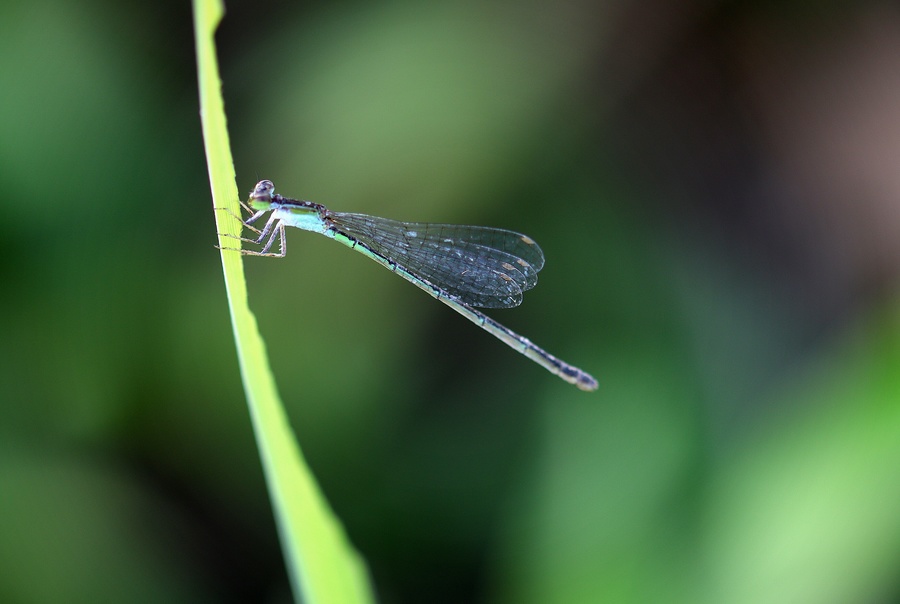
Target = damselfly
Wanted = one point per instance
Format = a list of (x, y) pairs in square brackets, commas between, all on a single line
[(462, 266)]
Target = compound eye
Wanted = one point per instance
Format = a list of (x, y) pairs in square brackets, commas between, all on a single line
[(263, 190)]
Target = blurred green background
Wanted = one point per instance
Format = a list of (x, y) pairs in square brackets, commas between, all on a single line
[(714, 184)]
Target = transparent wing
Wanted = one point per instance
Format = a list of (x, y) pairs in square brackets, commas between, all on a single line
[(480, 266)]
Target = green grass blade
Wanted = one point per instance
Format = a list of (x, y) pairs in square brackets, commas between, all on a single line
[(322, 564)]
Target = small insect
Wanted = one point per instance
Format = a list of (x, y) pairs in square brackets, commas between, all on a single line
[(462, 266)]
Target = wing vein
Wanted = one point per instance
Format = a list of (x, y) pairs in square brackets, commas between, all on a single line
[(479, 266)]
